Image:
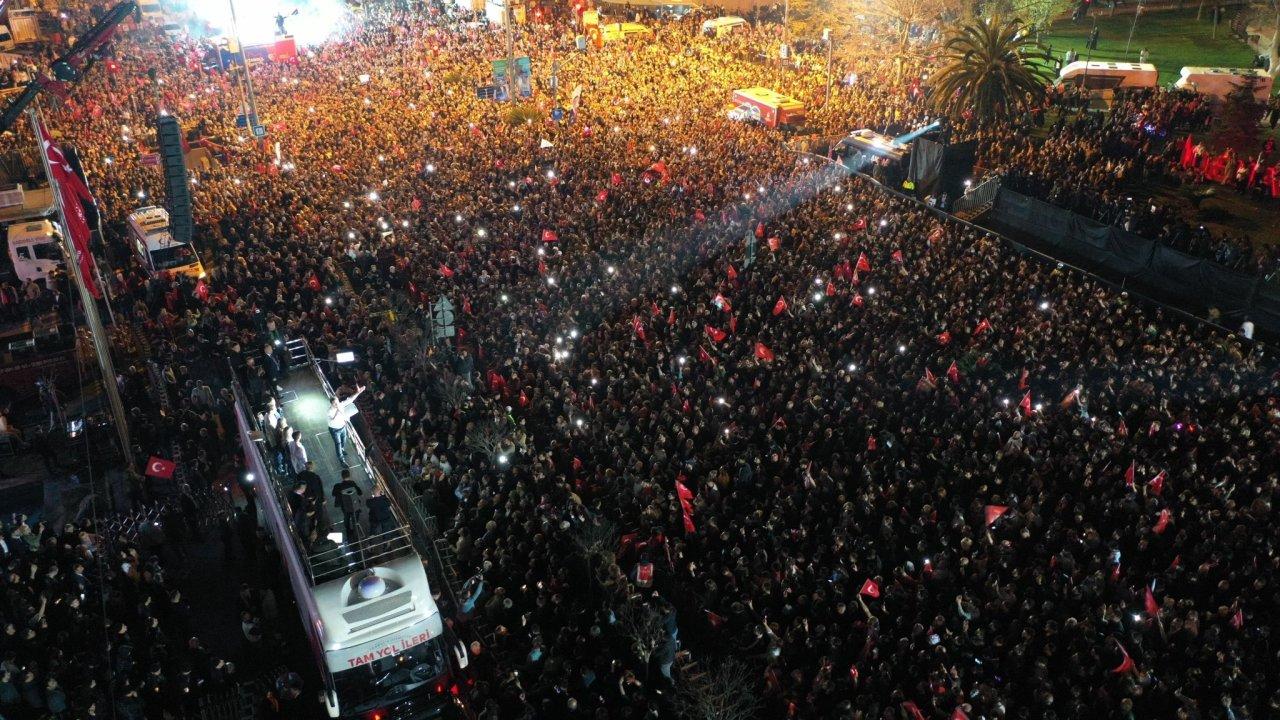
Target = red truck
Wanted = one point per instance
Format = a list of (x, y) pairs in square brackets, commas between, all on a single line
[(767, 107)]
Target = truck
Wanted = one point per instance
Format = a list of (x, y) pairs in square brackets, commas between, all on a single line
[(767, 107), (157, 249), (35, 249)]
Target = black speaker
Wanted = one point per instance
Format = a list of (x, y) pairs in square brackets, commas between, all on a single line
[(174, 164)]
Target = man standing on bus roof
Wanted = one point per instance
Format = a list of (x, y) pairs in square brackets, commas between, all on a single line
[(346, 494), (339, 411)]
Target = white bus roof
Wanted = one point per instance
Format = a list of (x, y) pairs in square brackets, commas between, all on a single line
[(28, 232), (721, 21), (150, 219), (1237, 72), (358, 628), (1103, 67)]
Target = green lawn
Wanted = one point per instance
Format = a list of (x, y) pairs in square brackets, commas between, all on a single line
[(1174, 39)]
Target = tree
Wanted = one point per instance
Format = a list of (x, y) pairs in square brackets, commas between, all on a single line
[(991, 67), (1037, 13), (641, 624), (905, 14), (486, 437), (597, 540), (452, 390), (725, 692), (1237, 125)]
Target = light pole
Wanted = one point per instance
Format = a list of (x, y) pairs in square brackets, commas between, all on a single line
[(1137, 11), (251, 111), (826, 36)]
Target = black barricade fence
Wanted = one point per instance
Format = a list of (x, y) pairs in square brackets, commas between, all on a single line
[(1161, 272)]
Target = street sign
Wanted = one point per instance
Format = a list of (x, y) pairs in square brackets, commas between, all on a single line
[(259, 131), (243, 120), (557, 114), (442, 319)]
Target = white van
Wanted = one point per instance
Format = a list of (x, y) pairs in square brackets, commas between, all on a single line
[(721, 26), (156, 248), (35, 249), (1219, 82), (1101, 75)]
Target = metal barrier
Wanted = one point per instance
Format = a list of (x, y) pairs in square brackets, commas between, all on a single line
[(977, 199)]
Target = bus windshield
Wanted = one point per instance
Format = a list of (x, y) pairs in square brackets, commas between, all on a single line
[(390, 679), (173, 256)]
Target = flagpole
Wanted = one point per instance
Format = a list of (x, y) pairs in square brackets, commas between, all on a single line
[(96, 332)]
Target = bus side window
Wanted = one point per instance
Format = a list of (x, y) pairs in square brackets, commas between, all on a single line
[(23, 253), (47, 251)]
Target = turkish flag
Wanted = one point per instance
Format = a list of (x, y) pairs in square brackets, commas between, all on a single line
[(1237, 620), (864, 265), (602, 196), (313, 282), (780, 306), (733, 274), (1157, 483), (715, 334), (774, 243), (1149, 602), (1025, 405), (445, 271), (688, 525), (638, 326), (1129, 474), (683, 492), (1126, 665), (760, 229), (831, 289), (416, 204), (1162, 522), (704, 356), (897, 256), (550, 236), (763, 352), (671, 317), (953, 372), (871, 442), (857, 300), (160, 468), (982, 327), (993, 512), (869, 588), (615, 179), (722, 302), (944, 338)]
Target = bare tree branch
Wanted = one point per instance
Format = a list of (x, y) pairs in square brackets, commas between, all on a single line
[(726, 691)]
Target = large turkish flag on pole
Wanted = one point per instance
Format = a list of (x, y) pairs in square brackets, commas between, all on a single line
[(74, 193)]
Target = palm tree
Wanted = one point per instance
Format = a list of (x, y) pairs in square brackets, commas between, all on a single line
[(993, 67)]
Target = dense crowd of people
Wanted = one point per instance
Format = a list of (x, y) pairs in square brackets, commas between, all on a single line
[(893, 467), (1095, 163)]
